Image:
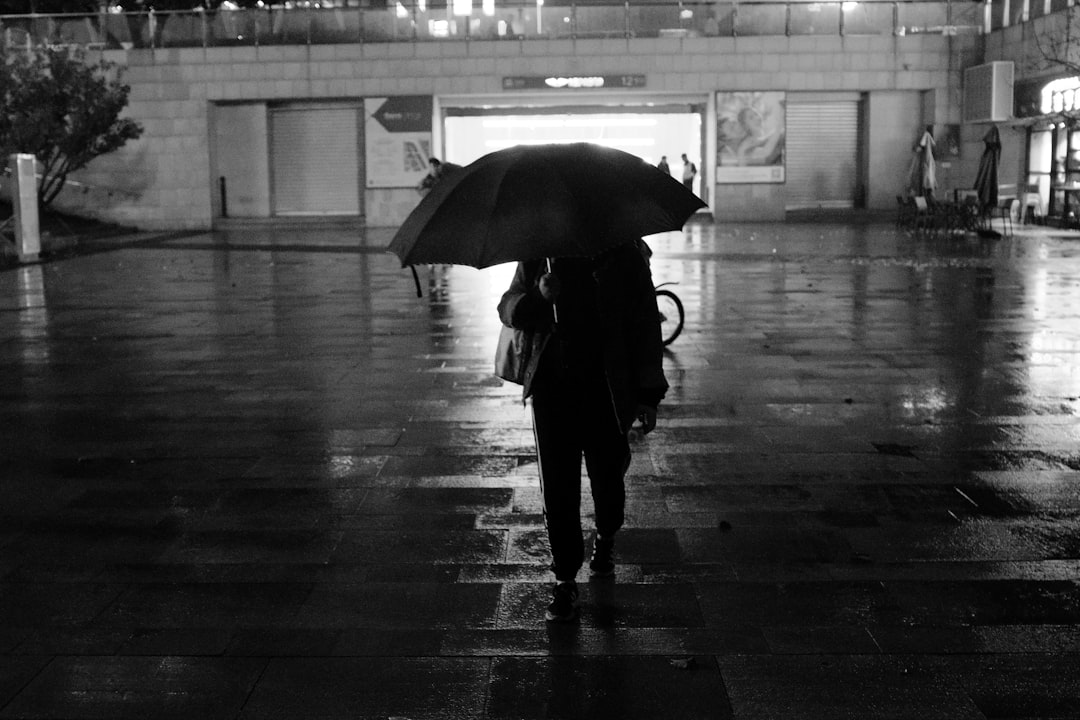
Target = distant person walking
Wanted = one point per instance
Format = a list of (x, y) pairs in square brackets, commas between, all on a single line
[(662, 165), (689, 172)]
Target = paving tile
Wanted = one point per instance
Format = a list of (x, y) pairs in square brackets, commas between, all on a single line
[(450, 465), (444, 500), (383, 643), (16, 672), (984, 539), (819, 686), (405, 605), (279, 502), (340, 471), (199, 605), (131, 687), (762, 544), (794, 604), (990, 602), (232, 572), (532, 572), (84, 638), (421, 545), (280, 642), (210, 642), (1021, 685), (440, 571), (585, 640), (47, 572), (370, 687), (606, 604), (660, 573), (828, 640), (48, 604), (624, 687), (89, 540), (253, 545)]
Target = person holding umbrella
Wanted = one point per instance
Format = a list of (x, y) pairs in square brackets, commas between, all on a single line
[(581, 329), (599, 371)]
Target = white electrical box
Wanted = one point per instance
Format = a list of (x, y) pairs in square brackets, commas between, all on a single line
[(988, 92)]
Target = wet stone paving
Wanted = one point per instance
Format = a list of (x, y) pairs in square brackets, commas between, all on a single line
[(252, 475)]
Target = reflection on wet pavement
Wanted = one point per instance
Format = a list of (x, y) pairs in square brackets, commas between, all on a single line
[(253, 475)]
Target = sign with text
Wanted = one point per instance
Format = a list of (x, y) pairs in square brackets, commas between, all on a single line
[(397, 140), (572, 82)]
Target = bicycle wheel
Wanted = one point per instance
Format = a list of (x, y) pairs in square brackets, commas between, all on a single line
[(672, 316)]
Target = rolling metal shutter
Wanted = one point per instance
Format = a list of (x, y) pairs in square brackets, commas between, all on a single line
[(822, 154), (315, 153)]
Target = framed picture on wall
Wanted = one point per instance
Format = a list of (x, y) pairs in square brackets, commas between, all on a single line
[(750, 135)]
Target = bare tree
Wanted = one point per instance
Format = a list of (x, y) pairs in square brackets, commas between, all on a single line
[(1057, 41)]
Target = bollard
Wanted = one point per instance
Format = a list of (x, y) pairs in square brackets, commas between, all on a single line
[(24, 200)]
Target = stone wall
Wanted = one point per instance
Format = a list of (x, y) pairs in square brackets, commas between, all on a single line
[(163, 181)]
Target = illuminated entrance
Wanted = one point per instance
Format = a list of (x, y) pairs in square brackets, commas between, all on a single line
[(648, 130)]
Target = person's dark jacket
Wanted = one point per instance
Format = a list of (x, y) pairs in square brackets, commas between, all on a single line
[(629, 327)]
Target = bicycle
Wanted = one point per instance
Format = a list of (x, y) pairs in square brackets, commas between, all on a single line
[(672, 315)]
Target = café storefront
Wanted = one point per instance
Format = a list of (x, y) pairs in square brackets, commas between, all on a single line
[(1050, 111)]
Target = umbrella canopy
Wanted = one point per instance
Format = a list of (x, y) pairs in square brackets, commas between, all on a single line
[(986, 180), (542, 201)]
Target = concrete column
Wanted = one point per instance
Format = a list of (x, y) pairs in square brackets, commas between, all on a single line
[(25, 202)]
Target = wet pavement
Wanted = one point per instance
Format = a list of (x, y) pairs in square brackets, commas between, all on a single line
[(252, 475)]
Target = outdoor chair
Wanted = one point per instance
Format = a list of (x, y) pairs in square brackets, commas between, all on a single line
[(959, 217), (1004, 211), (927, 219), (905, 212), (1031, 205)]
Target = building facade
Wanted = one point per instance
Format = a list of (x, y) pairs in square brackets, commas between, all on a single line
[(1041, 138), (345, 129)]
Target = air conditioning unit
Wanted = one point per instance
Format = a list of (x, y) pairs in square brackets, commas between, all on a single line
[(988, 92)]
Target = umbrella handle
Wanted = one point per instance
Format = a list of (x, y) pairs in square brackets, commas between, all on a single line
[(416, 279), (554, 308)]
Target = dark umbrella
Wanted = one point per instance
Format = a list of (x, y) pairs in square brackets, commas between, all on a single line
[(542, 201), (986, 180)]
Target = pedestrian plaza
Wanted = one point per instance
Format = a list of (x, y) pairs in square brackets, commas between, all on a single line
[(250, 474)]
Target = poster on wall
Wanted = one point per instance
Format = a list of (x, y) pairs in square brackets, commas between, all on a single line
[(750, 137), (397, 140)]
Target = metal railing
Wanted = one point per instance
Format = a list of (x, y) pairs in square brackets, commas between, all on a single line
[(415, 22)]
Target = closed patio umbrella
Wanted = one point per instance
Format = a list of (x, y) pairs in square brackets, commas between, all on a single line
[(986, 180), (923, 178)]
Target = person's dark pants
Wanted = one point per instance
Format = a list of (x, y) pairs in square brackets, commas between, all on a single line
[(571, 421)]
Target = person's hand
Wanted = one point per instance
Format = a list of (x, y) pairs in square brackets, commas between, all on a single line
[(549, 287), (647, 415)]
